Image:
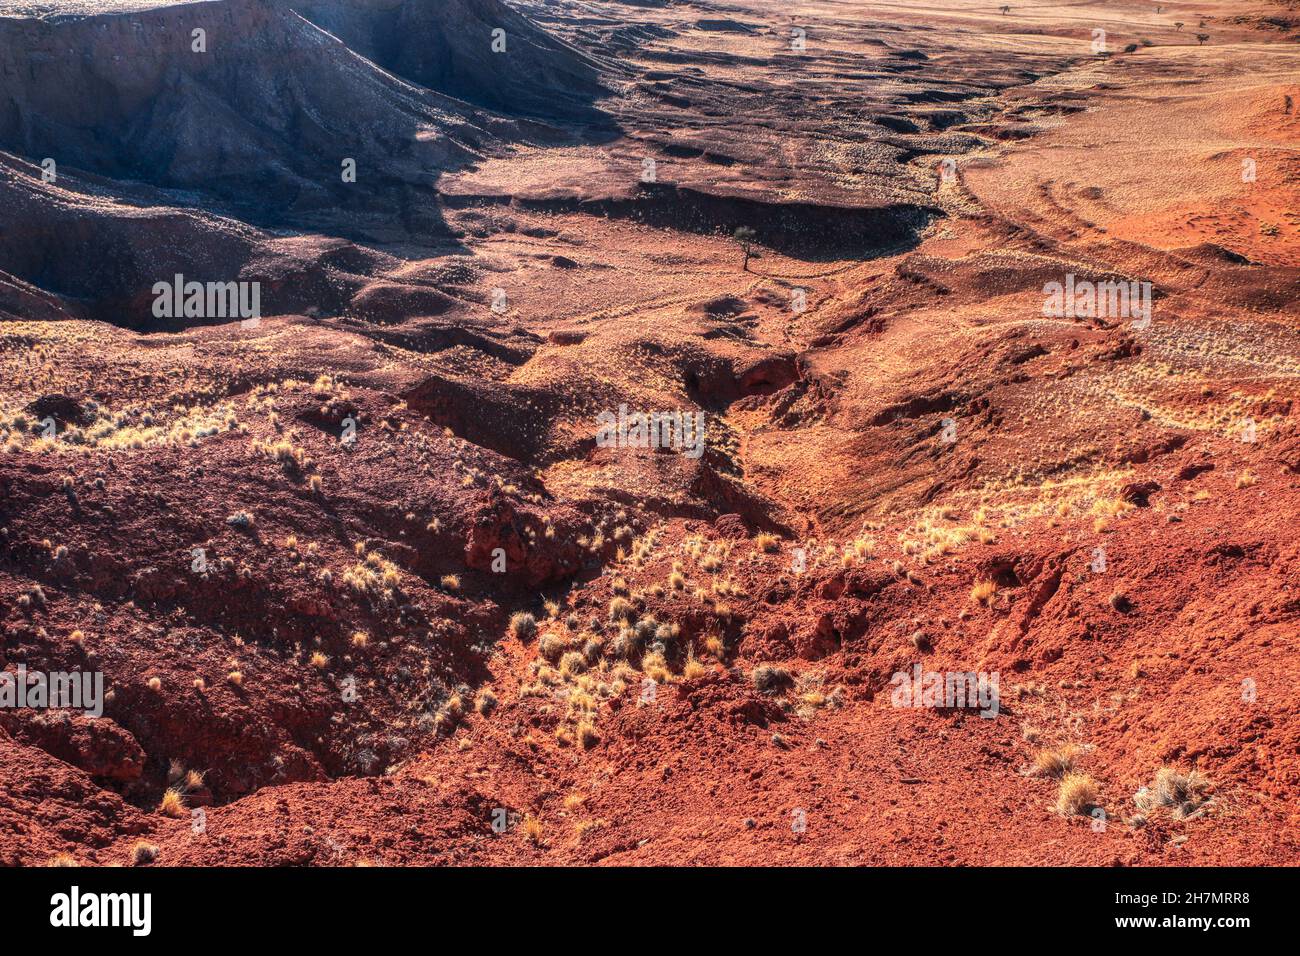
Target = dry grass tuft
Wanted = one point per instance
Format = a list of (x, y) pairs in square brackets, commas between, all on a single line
[(1078, 794), (982, 591), (694, 669), (620, 609), (173, 804), (1055, 762), (1185, 792)]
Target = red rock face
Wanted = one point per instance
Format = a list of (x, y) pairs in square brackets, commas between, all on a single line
[(367, 582)]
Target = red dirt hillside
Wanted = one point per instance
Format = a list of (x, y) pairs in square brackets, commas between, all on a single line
[(365, 588)]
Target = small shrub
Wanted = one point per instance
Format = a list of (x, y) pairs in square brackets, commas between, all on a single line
[(523, 625), (771, 679), (551, 647), (572, 664), (143, 853)]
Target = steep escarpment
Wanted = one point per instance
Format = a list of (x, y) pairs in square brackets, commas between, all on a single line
[(480, 51), (242, 99)]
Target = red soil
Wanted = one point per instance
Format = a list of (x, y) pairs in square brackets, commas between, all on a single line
[(826, 432)]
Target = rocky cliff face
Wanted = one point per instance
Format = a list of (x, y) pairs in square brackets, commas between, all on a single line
[(260, 102), (448, 46), (241, 98)]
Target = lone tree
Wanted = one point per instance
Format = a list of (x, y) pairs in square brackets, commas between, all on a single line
[(745, 236), (1005, 10), (1178, 24), (1202, 37)]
